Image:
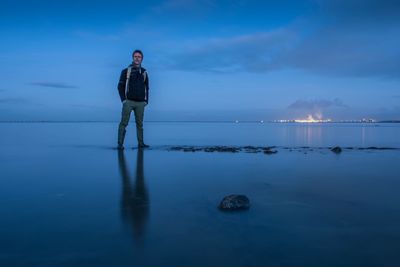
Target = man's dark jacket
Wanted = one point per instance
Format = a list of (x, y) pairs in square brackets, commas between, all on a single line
[(138, 87)]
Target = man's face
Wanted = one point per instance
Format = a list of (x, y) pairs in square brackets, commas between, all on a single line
[(137, 59)]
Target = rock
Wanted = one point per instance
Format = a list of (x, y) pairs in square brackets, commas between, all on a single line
[(250, 147), (336, 150), (268, 151), (231, 149), (234, 202), (380, 148), (222, 149)]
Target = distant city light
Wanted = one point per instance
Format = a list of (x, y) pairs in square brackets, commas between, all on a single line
[(310, 119)]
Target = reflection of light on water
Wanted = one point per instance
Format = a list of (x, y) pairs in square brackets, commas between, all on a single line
[(310, 119), (303, 135), (308, 135), (363, 136)]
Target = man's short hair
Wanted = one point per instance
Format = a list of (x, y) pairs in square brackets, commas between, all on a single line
[(137, 51)]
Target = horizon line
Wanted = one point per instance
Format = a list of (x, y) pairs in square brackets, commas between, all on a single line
[(203, 121)]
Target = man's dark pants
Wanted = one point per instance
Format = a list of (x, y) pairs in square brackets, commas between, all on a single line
[(127, 107)]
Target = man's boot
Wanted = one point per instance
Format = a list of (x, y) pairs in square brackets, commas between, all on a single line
[(139, 132)]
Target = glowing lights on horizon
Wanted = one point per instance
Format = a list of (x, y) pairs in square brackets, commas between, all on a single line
[(310, 119)]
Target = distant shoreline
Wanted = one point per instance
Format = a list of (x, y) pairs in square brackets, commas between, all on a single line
[(201, 121)]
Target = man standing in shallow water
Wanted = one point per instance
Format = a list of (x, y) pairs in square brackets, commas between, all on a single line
[(133, 88)]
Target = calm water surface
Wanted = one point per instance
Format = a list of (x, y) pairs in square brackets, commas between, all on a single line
[(67, 198)]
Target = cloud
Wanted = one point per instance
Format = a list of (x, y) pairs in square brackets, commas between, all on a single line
[(364, 12), (348, 51), (352, 38), (13, 100), (53, 85), (256, 52), (316, 107), (329, 52), (341, 38), (316, 104)]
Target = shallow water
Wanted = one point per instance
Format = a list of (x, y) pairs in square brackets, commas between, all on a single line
[(67, 198)]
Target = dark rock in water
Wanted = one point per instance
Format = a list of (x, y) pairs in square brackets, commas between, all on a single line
[(377, 148), (234, 202), (231, 149), (221, 149), (336, 149), (251, 149), (269, 151)]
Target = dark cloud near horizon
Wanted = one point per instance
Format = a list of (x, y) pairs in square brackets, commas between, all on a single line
[(318, 108), (13, 100), (54, 85), (342, 38), (356, 11), (317, 104)]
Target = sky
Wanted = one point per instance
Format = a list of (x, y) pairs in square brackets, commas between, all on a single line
[(206, 59)]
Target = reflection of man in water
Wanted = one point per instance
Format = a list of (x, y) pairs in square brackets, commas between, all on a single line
[(135, 199)]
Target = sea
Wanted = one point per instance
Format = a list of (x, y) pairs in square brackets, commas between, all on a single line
[(68, 197)]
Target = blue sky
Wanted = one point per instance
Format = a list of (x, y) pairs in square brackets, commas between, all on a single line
[(207, 60)]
